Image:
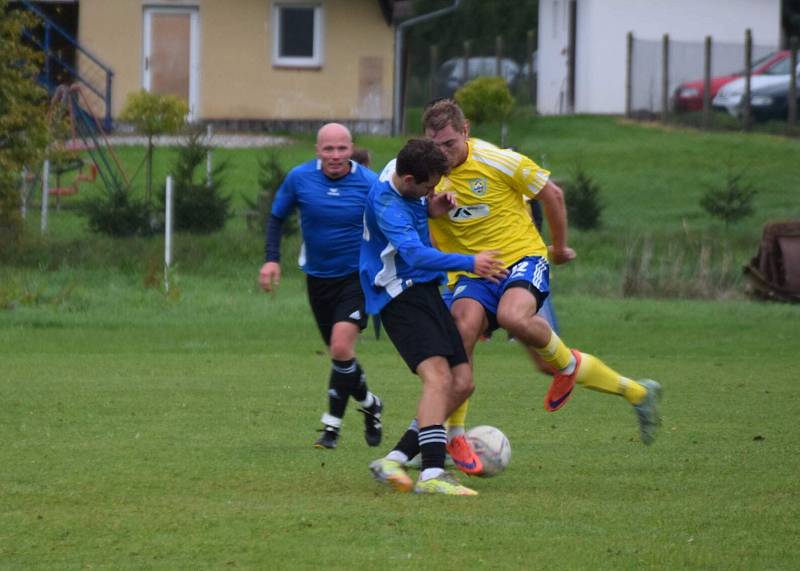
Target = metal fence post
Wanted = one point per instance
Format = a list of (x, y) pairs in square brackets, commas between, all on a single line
[(572, 24), (45, 194), (707, 85), (434, 63), (665, 78), (168, 233), (531, 45), (628, 76), (748, 72), (792, 118), (498, 56), (465, 63)]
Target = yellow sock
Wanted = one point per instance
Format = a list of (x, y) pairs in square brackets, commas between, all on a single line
[(456, 422), (555, 352), (596, 375)]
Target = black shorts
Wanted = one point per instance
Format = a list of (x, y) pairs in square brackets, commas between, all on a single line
[(420, 326), (336, 299)]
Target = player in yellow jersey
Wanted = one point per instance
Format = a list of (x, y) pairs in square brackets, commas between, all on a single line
[(489, 185)]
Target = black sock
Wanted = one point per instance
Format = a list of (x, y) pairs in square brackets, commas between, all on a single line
[(356, 378), (432, 445), (409, 442), (338, 389)]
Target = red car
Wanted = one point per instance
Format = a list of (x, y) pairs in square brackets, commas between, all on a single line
[(689, 95)]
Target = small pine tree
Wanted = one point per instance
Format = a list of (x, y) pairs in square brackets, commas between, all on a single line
[(116, 213), (732, 202), (582, 195), (270, 176), (199, 205)]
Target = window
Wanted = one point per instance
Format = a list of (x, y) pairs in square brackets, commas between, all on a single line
[(297, 35)]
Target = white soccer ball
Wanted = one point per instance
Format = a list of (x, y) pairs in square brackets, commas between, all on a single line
[(492, 447)]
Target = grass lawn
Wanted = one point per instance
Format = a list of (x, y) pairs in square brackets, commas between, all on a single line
[(150, 431), (145, 432)]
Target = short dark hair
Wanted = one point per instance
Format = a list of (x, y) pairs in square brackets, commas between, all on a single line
[(440, 113), (421, 158), (361, 156)]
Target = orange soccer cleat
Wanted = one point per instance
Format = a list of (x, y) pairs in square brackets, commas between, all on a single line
[(560, 390), (464, 456)]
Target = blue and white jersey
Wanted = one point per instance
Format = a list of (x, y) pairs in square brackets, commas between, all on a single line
[(331, 215), (396, 250)]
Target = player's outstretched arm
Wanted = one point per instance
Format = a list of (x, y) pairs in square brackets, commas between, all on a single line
[(270, 276), (488, 266), (552, 200)]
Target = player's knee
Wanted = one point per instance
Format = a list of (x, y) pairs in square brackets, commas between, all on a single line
[(463, 387), (469, 328), (512, 320), (341, 350)]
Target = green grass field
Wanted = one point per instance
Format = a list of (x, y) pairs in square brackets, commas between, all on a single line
[(144, 430)]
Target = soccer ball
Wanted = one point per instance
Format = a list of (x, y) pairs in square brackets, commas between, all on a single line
[(492, 447)]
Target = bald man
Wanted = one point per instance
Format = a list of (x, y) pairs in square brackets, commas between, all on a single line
[(330, 192)]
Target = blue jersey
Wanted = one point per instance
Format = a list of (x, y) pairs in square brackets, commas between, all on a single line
[(396, 251), (331, 216)]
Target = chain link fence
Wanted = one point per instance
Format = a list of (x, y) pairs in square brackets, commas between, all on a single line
[(703, 82), (440, 70)]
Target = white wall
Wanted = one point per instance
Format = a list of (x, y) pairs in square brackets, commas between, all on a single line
[(602, 26)]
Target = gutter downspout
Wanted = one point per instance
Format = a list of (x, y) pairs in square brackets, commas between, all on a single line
[(399, 33)]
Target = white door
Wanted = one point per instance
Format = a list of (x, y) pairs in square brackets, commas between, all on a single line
[(171, 54)]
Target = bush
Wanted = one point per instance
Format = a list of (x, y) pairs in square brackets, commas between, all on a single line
[(582, 195), (732, 202), (117, 214), (270, 176), (199, 205), (485, 99)]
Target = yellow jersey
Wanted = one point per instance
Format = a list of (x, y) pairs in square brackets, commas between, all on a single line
[(491, 213)]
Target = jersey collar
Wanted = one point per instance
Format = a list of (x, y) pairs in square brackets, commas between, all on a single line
[(353, 166)]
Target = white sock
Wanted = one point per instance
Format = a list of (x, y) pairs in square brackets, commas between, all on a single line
[(429, 473), (397, 456), (568, 370)]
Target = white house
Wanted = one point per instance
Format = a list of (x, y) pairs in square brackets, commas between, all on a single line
[(600, 40)]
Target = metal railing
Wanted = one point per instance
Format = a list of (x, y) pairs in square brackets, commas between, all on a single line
[(95, 75)]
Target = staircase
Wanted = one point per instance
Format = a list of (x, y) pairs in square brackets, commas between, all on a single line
[(75, 94), (89, 135), (94, 75)]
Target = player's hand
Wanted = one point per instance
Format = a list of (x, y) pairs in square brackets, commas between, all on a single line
[(440, 203), (270, 276), (489, 266), (561, 255)]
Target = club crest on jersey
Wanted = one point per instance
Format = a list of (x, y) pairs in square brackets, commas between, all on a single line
[(478, 186)]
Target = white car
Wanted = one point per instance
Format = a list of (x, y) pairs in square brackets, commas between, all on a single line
[(731, 96), (450, 75)]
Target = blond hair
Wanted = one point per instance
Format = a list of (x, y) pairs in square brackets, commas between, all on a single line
[(442, 113)]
